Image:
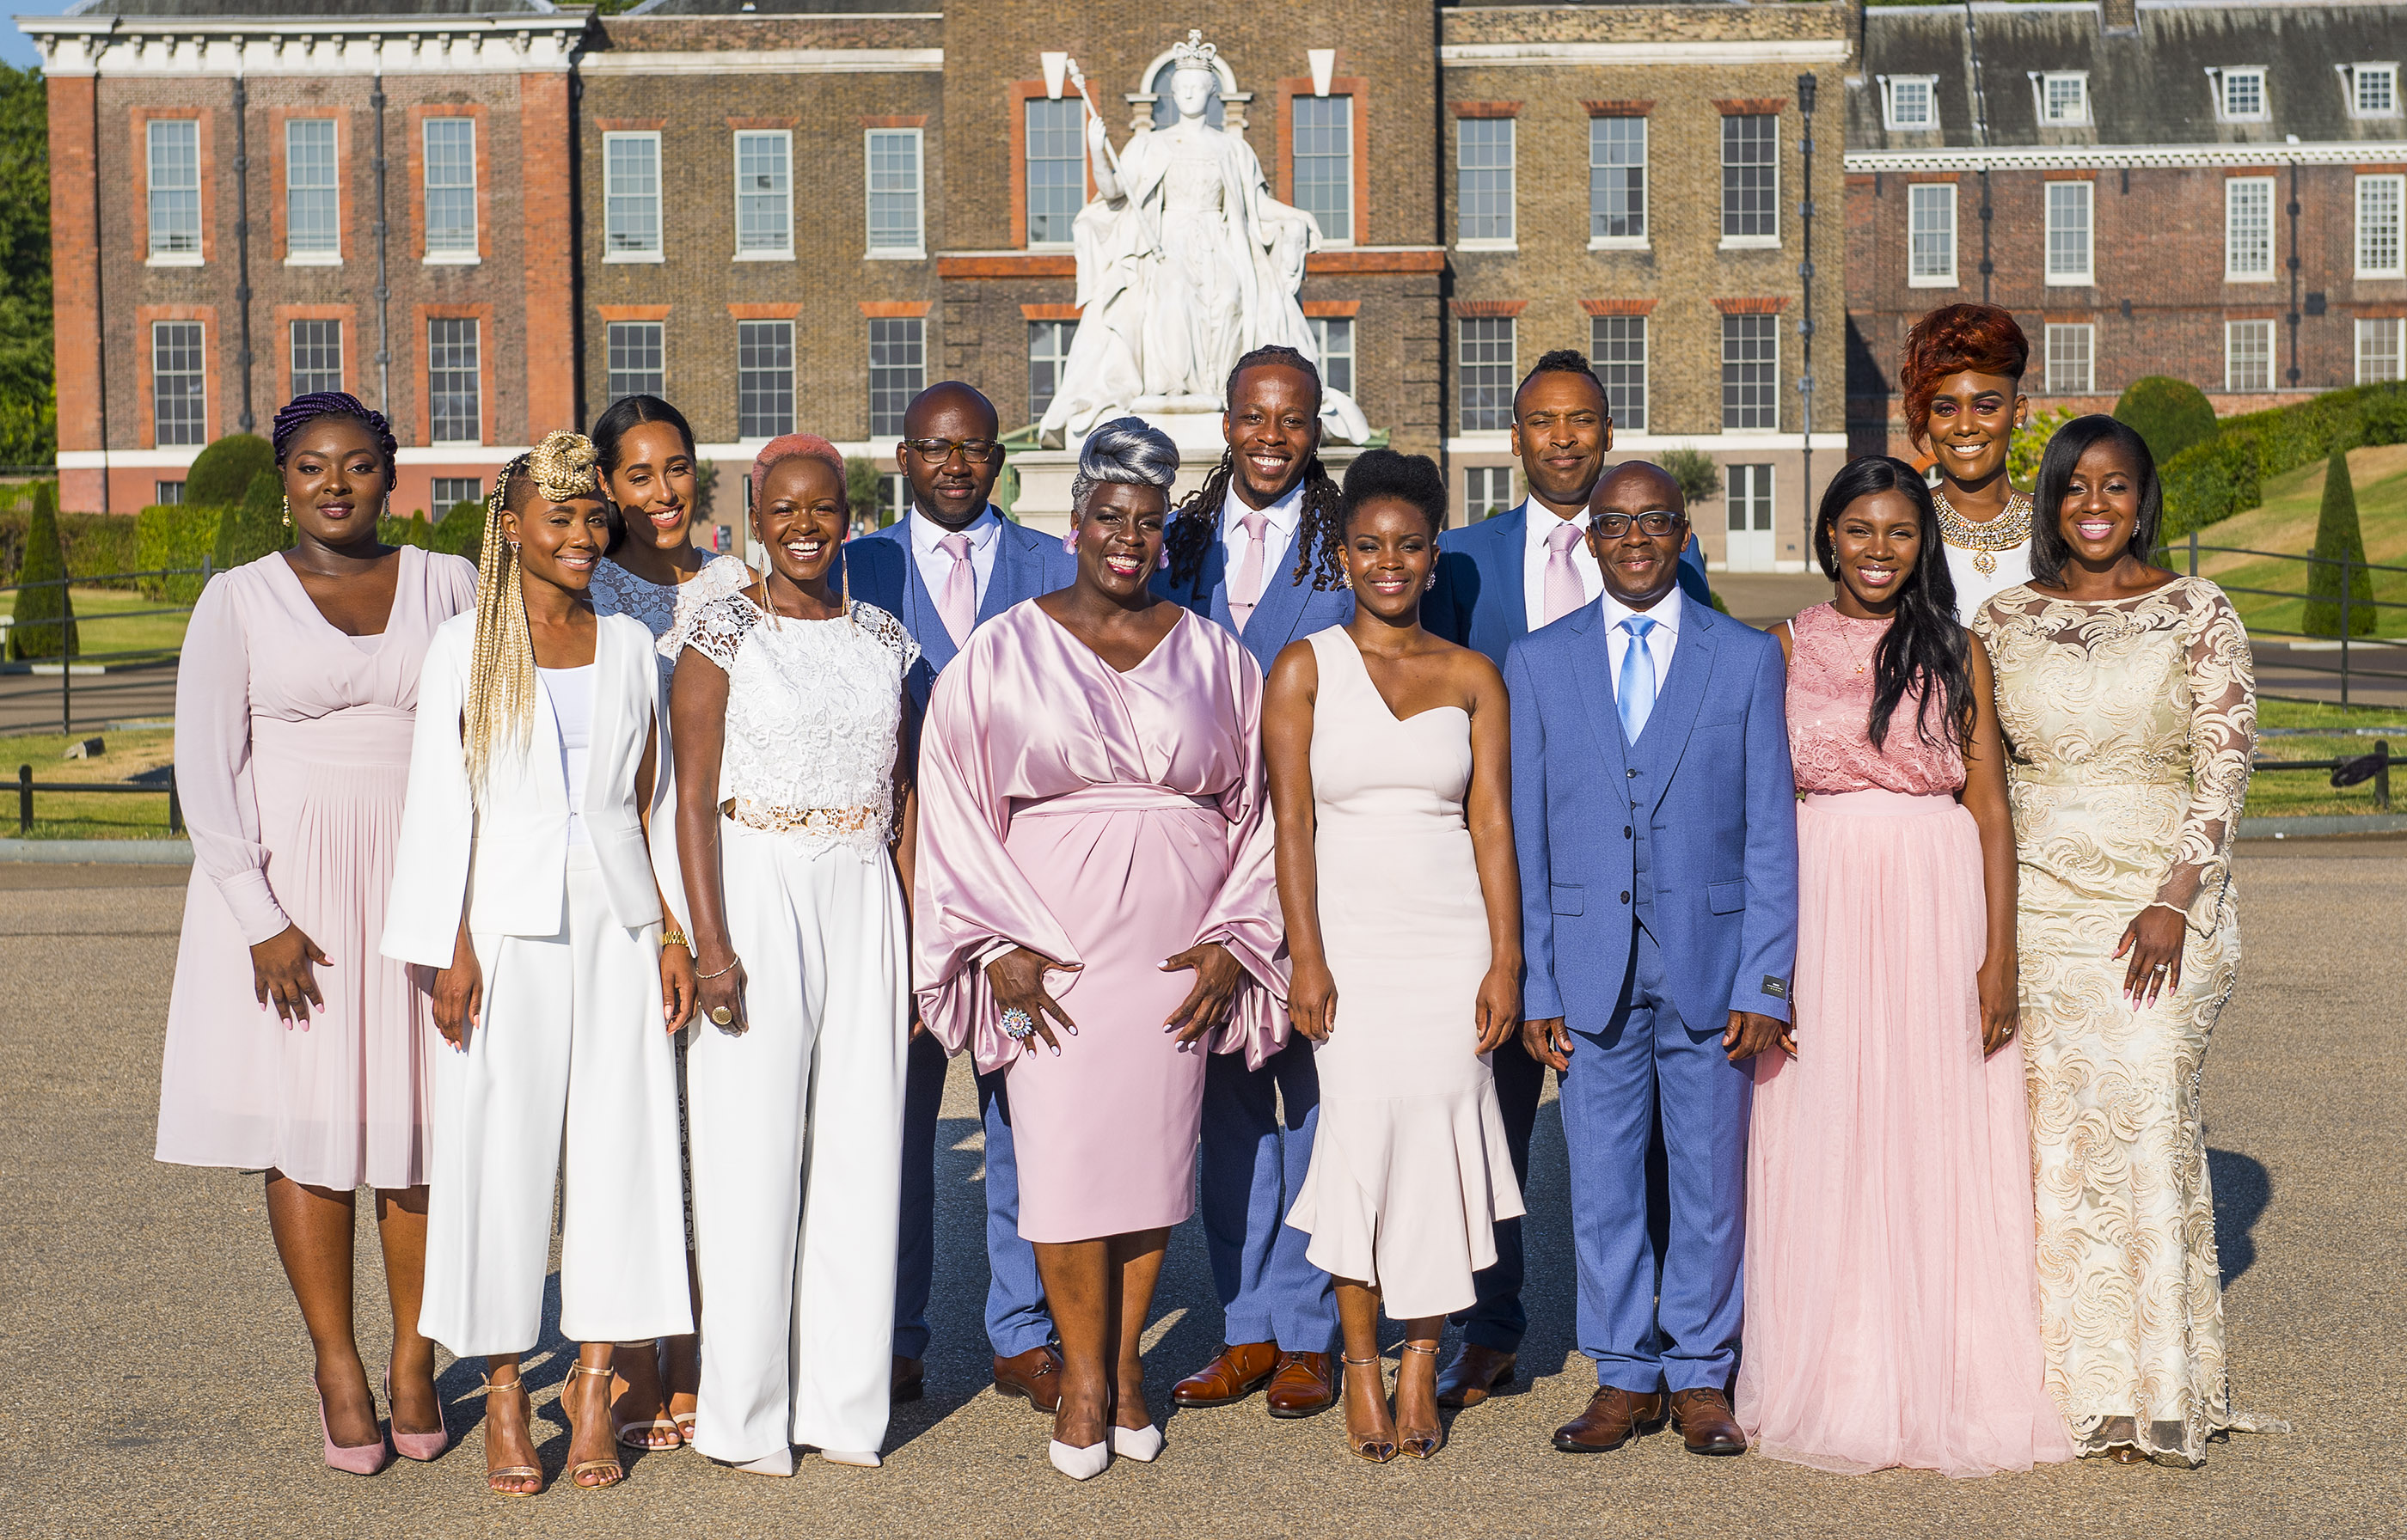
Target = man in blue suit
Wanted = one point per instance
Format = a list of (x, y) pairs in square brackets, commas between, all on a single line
[(1254, 551), (1655, 816), (947, 565), (1498, 581)]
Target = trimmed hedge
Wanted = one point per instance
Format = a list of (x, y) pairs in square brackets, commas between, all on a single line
[(2171, 415), (255, 528), (2209, 482), (97, 544), (221, 474), (2339, 538), (175, 536), (44, 622)]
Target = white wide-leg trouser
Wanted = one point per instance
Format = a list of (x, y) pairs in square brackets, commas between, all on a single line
[(571, 1042), (797, 1149)]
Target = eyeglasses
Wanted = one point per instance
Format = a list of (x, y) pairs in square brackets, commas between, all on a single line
[(1653, 521), (937, 451)]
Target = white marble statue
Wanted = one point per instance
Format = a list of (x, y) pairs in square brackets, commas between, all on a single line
[(1184, 263)]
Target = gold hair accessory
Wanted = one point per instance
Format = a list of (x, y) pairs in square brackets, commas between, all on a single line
[(563, 466)]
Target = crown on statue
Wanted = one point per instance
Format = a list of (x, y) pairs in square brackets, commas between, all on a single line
[(1194, 53)]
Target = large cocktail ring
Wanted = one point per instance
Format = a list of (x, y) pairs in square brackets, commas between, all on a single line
[(720, 1015), (1018, 1025)]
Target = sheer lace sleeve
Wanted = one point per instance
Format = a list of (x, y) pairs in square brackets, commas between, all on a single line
[(2222, 745), (716, 630), (724, 576), (887, 631)]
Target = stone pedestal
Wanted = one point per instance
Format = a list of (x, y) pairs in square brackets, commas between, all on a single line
[(1045, 475)]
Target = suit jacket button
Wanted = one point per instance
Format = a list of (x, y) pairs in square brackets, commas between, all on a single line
[(1633, 774), (1625, 898), (1625, 831)]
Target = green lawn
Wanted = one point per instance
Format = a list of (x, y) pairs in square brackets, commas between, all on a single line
[(152, 627), (65, 815), (2287, 522), (2296, 793)]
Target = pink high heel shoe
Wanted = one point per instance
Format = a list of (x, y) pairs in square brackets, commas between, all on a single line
[(420, 1447), (355, 1459)]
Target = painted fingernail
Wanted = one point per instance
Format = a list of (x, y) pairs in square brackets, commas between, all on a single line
[(1057, 1049)]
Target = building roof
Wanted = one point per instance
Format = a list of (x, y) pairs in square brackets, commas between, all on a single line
[(2149, 88), (788, 7), (303, 10)]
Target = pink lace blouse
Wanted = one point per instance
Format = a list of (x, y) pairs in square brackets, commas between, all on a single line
[(1831, 702)]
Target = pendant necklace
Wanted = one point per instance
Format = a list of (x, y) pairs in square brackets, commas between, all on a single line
[(2004, 533)]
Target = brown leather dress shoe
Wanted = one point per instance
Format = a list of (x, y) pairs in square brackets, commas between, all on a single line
[(1239, 1370), (1034, 1377), (910, 1381), (1475, 1373), (1706, 1424), (1612, 1418), (1304, 1385)]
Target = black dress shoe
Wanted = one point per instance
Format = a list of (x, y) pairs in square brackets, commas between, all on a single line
[(910, 1382)]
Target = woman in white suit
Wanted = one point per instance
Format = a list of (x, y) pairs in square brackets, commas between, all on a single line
[(525, 880)]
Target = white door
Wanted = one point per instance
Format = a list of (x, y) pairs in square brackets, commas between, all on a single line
[(1748, 497)]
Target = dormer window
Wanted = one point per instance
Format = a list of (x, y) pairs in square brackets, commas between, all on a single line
[(2372, 88), (2063, 97), (2239, 94), (1910, 101)]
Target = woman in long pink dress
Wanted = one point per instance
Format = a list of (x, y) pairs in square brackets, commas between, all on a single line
[(1891, 1281), (292, 1045), (1095, 910)]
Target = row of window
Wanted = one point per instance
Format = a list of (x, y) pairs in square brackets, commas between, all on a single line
[(1746, 495), (180, 394), (2070, 232), (1487, 370), (1485, 154), (2062, 97)]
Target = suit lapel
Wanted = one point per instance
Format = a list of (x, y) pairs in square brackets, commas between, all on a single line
[(921, 617), (1272, 626), (1669, 724), (1015, 571), (1506, 533), (1592, 672)]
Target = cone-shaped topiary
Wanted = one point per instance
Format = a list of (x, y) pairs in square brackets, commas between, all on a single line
[(255, 527), (2337, 538), (221, 474), (2169, 414), (43, 626)]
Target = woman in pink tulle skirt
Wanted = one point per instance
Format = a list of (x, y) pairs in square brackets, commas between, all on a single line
[(1891, 1293)]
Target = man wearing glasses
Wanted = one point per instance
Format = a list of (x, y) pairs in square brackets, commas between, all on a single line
[(1654, 814), (948, 564)]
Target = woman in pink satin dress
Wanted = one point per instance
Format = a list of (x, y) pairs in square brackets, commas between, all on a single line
[(1892, 1286), (291, 1046), (1095, 910)]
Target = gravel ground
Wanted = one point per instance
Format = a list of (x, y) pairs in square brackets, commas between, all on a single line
[(155, 1371)]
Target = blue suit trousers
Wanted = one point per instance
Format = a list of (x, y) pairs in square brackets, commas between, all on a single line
[(1016, 1318), (1645, 1061), (1253, 1162)]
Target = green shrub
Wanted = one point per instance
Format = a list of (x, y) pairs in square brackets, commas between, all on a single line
[(461, 531), (2339, 539), (2029, 447), (1699, 479), (221, 474), (413, 531), (863, 487), (96, 544), (2209, 482), (254, 527), (2169, 414), (45, 615), (178, 537)]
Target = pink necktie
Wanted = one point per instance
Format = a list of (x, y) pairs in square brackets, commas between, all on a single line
[(1564, 591), (1249, 571), (958, 603)]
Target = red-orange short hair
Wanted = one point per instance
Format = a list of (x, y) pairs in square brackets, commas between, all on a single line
[(1955, 339), (792, 447)]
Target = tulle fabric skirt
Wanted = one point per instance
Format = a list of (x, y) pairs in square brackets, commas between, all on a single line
[(343, 1101), (1891, 1290)]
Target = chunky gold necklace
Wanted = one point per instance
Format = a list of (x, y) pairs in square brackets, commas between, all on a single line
[(2002, 533)]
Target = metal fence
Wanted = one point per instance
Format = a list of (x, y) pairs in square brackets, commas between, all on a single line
[(163, 780), (111, 677), (2345, 657)]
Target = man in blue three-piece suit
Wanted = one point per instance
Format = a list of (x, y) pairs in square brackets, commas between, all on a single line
[(1252, 551), (1654, 812), (947, 565), (1498, 581)]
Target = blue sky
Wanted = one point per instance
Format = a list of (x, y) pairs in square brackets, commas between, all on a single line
[(15, 46)]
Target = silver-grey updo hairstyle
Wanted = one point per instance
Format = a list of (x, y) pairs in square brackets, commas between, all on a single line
[(1127, 450)]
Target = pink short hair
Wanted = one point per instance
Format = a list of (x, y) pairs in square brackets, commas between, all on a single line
[(789, 446)]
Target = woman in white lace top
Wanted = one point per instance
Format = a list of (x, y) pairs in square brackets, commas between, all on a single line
[(789, 708)]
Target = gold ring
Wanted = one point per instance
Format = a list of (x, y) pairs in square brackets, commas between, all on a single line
[(720, 1015)]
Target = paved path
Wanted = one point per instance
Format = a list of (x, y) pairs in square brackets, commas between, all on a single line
[(155, 1368)]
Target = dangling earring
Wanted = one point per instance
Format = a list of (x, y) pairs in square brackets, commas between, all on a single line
[(1430, 581), (1345, 580), (1070, 540), (1162, 560), (288, 511)]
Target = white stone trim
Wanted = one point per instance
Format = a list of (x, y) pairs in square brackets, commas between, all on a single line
[(2115, 157), (177, 47), (1638, 444), (180, 456), (767, 61), (1806, 50)]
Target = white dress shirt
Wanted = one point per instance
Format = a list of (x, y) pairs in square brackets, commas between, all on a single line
[(1538, 522), (936, 566), (1659, 641), (1278, 536)]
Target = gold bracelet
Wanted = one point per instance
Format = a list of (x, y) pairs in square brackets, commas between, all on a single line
[(674, 936)]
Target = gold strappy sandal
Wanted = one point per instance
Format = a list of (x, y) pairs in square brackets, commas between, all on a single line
[(502, 1472), (1373, 1449), (1419, 1444), (609, 1463)]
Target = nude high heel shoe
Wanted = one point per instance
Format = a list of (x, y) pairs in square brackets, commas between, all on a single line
[(1080, 1465), (1137, 1443), (420, 1447), (350, 1458)]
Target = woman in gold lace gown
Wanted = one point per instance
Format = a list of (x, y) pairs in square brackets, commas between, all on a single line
[(2126, 696)]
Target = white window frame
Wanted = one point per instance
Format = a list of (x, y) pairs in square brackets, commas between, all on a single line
[(1779, 352), (313, 256), (1482, 478), (611, 373), (1053, 359), (2372, 190), (2086, 332), (917, 249), (471, 254), (783, 253), (2079, 79), (2352, 74), (1891, 122), (2087, 275), (2233, 242), (1623, 420), (2249, 332), (1644, 240), (201, 373), (914, 335), (1028, 182), (159, 256), (2370, 348), (2222, 76), (292, 355), (1331, 237), (477, 333), (1937, 192), (1320, 326), (1767, 242), (611, 252), (1512, 240), (792, 373)]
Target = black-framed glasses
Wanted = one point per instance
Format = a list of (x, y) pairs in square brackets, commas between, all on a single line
[(937, 451), (1653, 521)]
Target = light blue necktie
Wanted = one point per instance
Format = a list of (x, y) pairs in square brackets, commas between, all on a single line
[(1635, 692)]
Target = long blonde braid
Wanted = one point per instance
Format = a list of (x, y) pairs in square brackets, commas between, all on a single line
[(499, 718)]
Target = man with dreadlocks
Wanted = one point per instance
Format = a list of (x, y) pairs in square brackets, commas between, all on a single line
[(1263, 563)]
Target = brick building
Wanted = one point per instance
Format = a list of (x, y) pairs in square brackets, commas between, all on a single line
[(494, 216), (2191, 187)]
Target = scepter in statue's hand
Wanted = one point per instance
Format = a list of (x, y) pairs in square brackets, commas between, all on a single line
[(1079, 79)]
